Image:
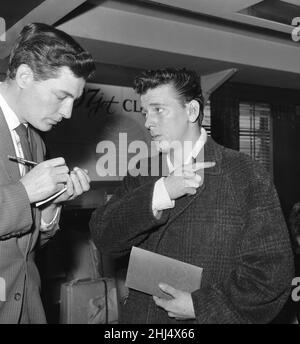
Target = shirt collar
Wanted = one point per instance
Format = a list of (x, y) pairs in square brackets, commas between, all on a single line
[(10, 116), (195, 151)]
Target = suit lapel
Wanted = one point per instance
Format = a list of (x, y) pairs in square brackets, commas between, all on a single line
[(25, 242), (12, 169), (7, 148)]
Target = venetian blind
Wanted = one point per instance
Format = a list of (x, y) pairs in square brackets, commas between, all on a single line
[(256, 132), (206, 118)]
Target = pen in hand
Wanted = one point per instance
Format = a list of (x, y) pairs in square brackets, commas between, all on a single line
[(29, 162), (33, 163), (22, 160)]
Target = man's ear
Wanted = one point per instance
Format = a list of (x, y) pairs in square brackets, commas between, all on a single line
[(24, 76), (193, 110)]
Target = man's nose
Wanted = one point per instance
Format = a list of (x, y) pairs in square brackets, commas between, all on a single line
[(149, 121), (66, 110)]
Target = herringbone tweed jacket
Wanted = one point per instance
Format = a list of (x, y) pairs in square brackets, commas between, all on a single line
[(232, 227)]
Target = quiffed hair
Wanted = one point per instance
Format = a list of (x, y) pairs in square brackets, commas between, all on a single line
[(186, 83), (45, 50)]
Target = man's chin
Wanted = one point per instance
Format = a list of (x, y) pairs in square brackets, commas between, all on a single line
[(162, 146), (45, 127)]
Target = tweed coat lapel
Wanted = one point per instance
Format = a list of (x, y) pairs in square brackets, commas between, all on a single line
[(212, 152)]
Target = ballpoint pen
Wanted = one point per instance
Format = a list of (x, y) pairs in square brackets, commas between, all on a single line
[(33, 163), (29, 162), (22, 160)]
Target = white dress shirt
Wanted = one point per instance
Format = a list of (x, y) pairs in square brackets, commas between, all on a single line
[(161, 199), (13, 122)]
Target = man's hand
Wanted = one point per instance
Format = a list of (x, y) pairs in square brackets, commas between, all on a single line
[(45, 179), (180, 307), (184, 180), (77, 184)]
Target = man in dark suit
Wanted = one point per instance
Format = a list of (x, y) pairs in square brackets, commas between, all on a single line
[(225, 218), (47, 71)]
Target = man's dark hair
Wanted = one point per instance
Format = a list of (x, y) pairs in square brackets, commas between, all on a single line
[(45, 50), (186, 83)]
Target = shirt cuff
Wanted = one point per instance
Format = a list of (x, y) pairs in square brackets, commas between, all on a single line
[(161, 199), (45, 227)]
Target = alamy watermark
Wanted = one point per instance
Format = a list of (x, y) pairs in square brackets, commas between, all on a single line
[(296, 30), (2, 289), (2, 30), (137, 158), (296, 290)]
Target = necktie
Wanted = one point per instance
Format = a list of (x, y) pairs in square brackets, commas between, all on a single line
[(22, 131)]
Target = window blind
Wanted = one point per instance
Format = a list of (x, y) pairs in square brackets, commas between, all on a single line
[(206, 118), (256, 132)]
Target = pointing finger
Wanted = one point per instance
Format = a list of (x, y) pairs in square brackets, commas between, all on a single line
[(201, 165)]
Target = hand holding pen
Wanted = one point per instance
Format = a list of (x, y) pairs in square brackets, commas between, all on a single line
[(51, 180)]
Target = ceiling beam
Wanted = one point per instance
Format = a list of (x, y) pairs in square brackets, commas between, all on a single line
[(192, 38), (230, 11), (292, 2), (213, 6), (48, 12)]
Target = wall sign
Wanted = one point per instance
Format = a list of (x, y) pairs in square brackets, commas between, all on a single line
[(103, 113)]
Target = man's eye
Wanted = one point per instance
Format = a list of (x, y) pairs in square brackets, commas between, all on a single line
[(159, 109), (61, 98), (144, 113)]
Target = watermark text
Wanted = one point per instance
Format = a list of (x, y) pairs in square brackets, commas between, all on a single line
[(2, 30), (296, 30), (2, 289)]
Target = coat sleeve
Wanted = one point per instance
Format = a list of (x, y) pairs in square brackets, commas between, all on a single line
[(45, 236), (256, 290), (127, 219), (15, 210)]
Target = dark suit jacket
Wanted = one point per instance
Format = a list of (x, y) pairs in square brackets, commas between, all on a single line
[(19, 236), (232, 227)]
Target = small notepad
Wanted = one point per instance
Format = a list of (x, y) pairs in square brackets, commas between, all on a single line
[(147, 269), (51, 197)]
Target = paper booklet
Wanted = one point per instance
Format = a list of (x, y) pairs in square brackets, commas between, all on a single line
[(147, 269)]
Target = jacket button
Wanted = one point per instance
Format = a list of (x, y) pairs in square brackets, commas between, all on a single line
[(17, 296)]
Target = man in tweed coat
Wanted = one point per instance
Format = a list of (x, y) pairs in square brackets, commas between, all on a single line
[(226, 219), (46, 72)]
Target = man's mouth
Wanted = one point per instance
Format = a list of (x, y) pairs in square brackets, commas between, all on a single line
[(155, 137), (54, 122)]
